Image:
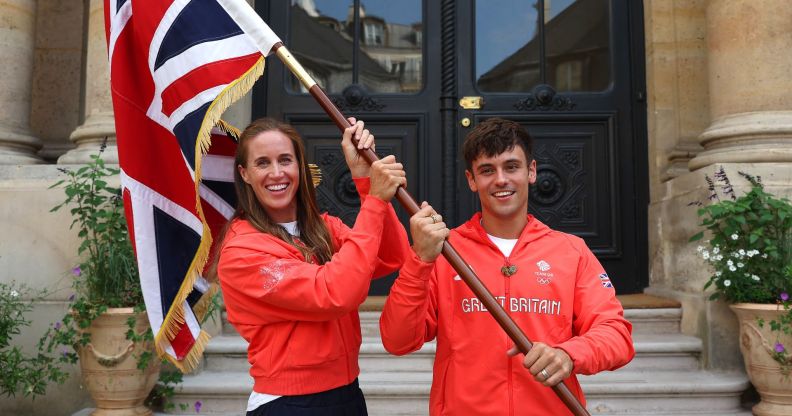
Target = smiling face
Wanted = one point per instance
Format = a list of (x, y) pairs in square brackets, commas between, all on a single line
[(501, 182), (273, 171)]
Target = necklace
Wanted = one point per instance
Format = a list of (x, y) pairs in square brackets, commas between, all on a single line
[(508, 270)]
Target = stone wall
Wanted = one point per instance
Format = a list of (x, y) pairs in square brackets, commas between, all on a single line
[(717, 97)]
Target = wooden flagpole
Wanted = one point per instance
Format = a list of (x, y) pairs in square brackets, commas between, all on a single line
[(408, 202)]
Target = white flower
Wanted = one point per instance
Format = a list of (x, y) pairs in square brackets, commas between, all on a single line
[(755, 277), (740, 265), (742, 252), (735, 236), (764, 256), (727, 282), (718, 273), (716, 250), (700, 249), (705, 255), (719, 257), (732, 268), (729, 263), (14, 294)]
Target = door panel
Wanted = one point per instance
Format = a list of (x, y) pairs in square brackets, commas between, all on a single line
[(569, 83), (570, 71)]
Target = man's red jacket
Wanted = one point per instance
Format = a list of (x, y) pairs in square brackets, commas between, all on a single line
[(559, 295)]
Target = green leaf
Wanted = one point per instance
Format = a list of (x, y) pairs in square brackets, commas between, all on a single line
[(697, 236)]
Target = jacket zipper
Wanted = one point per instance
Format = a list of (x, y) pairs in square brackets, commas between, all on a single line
[(506, 300)]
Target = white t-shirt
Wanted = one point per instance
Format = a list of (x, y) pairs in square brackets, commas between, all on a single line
[(504, 245), (257, 399)]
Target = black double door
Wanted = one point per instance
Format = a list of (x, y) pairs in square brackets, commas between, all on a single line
[(423, 73)]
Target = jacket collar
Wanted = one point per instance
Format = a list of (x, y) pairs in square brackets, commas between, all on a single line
[(473, 230)]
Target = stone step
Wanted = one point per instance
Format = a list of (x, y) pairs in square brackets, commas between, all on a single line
[(610, 393), (664, 393), (663, 379), (654, 321), (653, 352)]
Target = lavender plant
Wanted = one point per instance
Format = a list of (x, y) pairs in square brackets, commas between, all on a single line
[(749, 249)]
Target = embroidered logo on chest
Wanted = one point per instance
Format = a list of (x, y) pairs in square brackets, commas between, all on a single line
[(544, 275)]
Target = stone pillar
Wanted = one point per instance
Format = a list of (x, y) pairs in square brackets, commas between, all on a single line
[(99, 121), (676, 82), (17, 37), (749, 65)]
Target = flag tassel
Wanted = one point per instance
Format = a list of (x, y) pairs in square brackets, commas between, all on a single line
[(175, 317)]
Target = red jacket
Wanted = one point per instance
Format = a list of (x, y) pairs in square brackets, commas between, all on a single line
[(559, 295), (300, 319)]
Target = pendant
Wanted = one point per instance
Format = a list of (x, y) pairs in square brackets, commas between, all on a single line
[(509, 270)]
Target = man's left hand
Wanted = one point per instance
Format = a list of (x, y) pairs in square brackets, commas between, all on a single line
[(548, 365)]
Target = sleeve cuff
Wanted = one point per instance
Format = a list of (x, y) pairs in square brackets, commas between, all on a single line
[(374, 204), (573, 349), (363, 185), (416, 268)]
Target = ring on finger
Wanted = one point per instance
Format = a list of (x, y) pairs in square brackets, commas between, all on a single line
[(545, 374), (435, 218)]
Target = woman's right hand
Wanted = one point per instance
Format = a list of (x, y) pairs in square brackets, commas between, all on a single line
[(386, 176)]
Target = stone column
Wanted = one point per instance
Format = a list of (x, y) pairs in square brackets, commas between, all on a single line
[(749, 81), (17, 37), (99, 121)]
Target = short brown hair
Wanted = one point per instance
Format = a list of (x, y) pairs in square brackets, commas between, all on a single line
[(493, 137)]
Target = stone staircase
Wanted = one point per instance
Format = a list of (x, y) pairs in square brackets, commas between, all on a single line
[(664, 378)]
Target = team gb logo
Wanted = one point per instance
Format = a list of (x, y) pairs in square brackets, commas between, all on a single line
[(543, 276)]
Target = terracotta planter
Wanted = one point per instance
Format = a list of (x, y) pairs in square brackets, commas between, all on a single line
[(757, 345), (109, 365)]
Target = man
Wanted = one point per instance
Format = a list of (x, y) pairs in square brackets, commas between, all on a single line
[(549, 282)]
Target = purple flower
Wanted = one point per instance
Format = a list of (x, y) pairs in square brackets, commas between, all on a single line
[(784, 296), (779, 347), (65, 353), (71, 298), (76, 271), (57, 325), (198, 405)]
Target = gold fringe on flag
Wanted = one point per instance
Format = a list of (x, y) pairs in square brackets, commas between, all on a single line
[(316, 174), (175, 317), (229, 129)]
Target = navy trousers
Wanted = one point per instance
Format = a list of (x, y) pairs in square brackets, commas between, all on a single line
[(341, 401)]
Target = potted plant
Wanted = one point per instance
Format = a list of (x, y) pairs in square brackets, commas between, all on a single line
[(106, 327), (750, 251)]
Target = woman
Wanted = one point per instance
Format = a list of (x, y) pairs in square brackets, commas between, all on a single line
[(293, 279)]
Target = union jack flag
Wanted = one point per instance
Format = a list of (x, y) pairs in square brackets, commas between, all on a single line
[(605, 280), (175, 66)]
